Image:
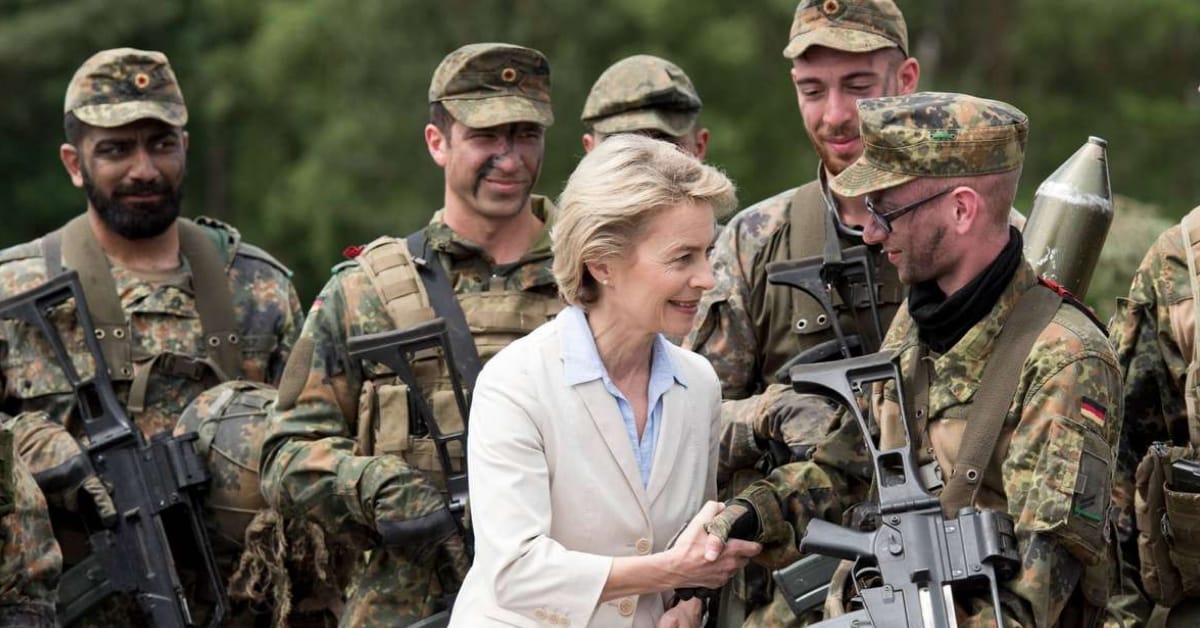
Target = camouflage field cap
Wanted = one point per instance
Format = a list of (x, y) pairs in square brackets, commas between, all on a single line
[(849, 25), (641, 93), (932, 134), (485, 85), (118, 86)]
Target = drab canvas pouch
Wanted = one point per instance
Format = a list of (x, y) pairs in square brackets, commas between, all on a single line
[(1168, 524)]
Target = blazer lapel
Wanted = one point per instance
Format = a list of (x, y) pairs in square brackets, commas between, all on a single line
[(604, 412), (671, 439)]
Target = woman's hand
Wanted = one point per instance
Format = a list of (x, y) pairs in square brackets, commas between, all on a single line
[(700, 559), (685, 614)]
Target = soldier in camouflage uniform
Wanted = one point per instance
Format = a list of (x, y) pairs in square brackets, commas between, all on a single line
[(940, 172), (31, 562), (840, 51), (647, 95), (1153, 333), (142, 269), (340, 449)]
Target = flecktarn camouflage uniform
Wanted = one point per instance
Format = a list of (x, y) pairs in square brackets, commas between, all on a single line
[(163, 320), (30, 562), (748, 328), (314, 464), (1052, 468)]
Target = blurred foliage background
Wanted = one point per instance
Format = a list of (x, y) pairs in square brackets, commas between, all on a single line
[(307, 116)]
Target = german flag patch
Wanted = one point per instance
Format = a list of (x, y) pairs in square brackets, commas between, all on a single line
[(1093, 411)]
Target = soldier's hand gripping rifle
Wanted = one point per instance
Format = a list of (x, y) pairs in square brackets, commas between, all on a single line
[(917, 552), (154, 484), (397, 350)]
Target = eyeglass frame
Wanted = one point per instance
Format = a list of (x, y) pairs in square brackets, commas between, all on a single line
[(884, 221)]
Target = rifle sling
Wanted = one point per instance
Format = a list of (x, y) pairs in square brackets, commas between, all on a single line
[(74, 246), (998, 383), (442, 299)]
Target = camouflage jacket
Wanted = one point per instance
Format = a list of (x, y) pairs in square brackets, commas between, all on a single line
[(1059, 435), (31, 562), (163, 319), (312, 464), (1151, 332), (749, 328)]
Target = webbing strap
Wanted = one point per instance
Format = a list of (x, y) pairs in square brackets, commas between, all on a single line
[(441, 297), (74, 246), (998, 383), (1190, 229), (214, 300)]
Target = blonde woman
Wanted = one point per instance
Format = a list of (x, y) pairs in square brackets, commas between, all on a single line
[(594, 439)]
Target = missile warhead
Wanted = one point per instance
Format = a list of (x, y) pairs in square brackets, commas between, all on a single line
[(1072, 211)]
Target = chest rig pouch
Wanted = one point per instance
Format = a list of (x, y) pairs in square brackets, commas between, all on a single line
[(74, 246), (1167, 483), (414, 287)]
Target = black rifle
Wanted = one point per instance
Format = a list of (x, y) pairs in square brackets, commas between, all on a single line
[(916, 552), (155, 484), (820, 279), (397, 350)]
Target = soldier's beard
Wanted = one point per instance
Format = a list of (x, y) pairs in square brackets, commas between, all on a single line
[(136, 221)]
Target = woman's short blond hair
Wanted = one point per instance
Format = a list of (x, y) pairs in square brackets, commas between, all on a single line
[(613, 193)]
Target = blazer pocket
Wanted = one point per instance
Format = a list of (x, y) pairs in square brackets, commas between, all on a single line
[(501, 617)]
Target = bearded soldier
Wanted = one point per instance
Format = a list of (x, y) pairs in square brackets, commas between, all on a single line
[(178, 305), (939, 173), (840, 51)]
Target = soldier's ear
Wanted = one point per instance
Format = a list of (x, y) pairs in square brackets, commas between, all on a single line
[(589, 142), (968, 209), (908, 75), (70, 157), (438, 145), (701, 140)]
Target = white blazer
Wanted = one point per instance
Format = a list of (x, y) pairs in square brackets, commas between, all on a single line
[(555, 491)]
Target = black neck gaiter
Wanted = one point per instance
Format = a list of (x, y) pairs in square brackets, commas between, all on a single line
[(942, 321)]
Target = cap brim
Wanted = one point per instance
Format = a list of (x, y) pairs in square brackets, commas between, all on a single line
[(863, 178), (846, 39), (120, 114), (481, 113), (673, 123)]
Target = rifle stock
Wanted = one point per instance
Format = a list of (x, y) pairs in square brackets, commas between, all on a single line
[(154, 484)]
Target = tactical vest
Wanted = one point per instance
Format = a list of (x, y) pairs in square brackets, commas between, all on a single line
[(495, 317), (74, 247)]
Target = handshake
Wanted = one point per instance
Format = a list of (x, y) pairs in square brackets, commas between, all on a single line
[(713, 546)]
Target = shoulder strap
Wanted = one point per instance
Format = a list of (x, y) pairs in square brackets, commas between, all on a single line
[(388, 265), (214, 301), (441, 295), (74, 246), (807, 207), (1190, 230), (1032, 313)]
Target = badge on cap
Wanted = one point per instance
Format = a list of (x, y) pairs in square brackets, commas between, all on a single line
[(508, 75), (831, 8), (141, 80)]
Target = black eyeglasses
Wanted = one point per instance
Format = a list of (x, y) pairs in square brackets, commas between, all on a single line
[(885, 220)]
